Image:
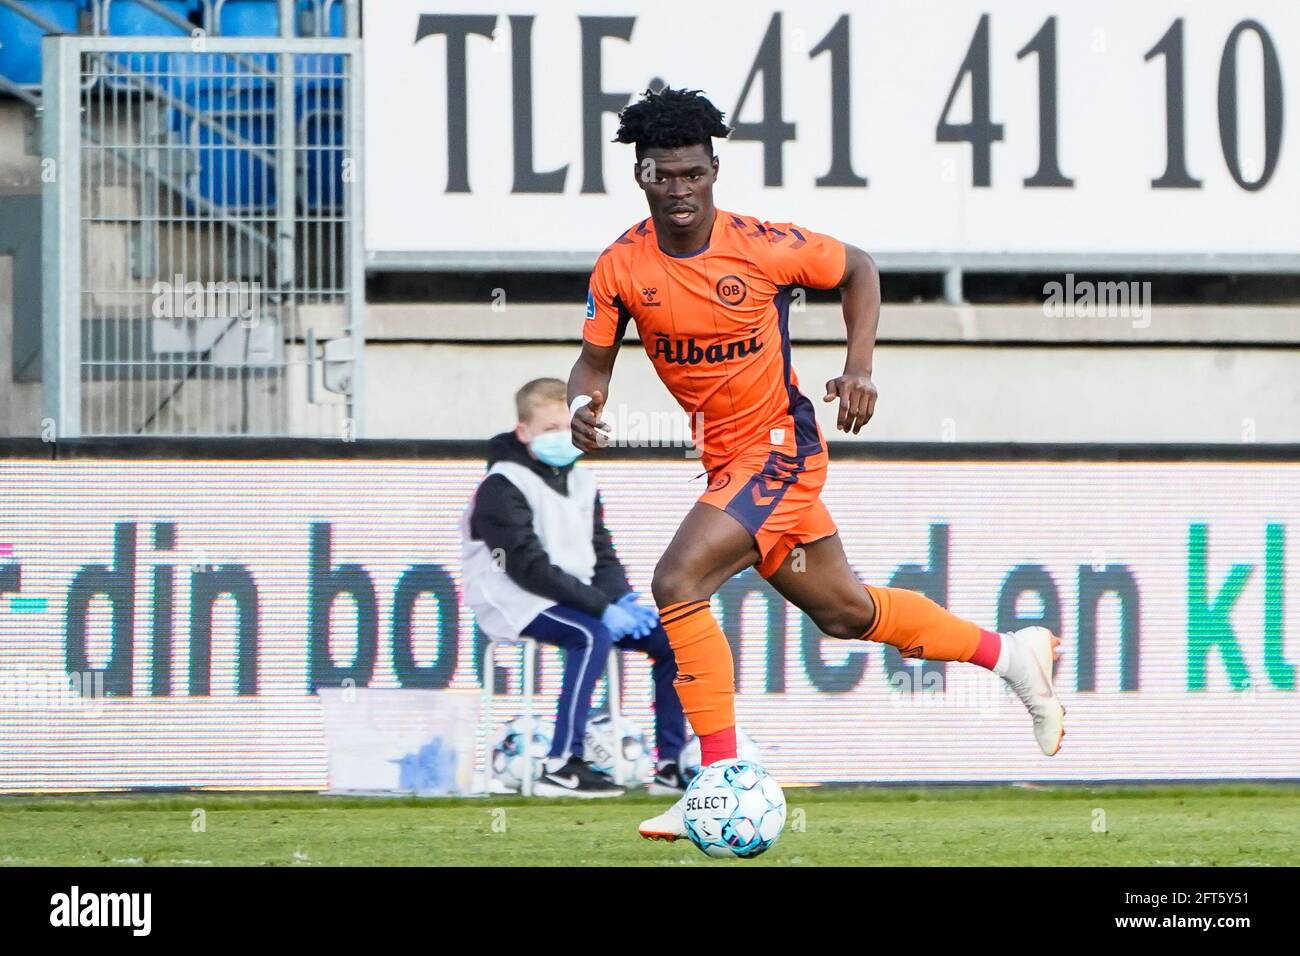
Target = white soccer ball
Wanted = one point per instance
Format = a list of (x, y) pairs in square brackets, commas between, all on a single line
[(734, 808), (689, 762), (618, 746), (510, 751)]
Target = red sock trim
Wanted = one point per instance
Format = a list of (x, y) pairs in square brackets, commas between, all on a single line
[(718, 746), (990, 646)]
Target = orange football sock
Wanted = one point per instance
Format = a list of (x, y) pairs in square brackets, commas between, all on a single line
[(706, 679), (919, 627)]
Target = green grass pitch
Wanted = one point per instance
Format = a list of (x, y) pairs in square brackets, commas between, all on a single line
[(1256, 825)]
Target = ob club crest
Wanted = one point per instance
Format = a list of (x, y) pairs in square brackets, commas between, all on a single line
[(731, 290)]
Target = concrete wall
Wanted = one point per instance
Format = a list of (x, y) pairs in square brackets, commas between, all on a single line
[(20, 174), (20, 162), (20, 402), (1002, 373), (945, 373)]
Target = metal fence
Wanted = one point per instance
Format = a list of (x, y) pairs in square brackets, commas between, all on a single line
[(203, 255)]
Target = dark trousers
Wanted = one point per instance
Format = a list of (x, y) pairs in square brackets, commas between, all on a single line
[(586, 644)]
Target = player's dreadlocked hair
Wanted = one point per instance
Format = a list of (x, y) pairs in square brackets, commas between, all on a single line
[(668, 118)]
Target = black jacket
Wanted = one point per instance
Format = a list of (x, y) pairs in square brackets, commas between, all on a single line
[(502, 519)]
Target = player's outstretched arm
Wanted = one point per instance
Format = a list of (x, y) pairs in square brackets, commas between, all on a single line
[(860, 300), (590, 379)]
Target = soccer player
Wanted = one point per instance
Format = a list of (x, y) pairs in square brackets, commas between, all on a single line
[(709, 291)]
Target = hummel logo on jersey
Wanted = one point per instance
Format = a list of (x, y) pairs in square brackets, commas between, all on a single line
[(689, 352), (649, 296)]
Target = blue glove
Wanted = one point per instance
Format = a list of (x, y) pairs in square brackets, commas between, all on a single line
[(620, 621), (647, 617), (650, 620)]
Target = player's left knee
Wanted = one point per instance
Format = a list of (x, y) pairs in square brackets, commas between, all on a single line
[(845, 623), (673, 582)]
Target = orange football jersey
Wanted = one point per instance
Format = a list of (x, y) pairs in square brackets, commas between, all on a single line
[(715, 324)]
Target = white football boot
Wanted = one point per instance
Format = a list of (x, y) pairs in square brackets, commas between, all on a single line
[(669, 825), (1026, 665)]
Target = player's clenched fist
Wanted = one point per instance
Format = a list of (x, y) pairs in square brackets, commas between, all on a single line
[(857, 395), (589, 432)]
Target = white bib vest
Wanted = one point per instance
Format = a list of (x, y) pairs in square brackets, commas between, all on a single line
[(563, 523)]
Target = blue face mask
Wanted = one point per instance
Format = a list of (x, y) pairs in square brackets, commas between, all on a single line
[(555, 449)]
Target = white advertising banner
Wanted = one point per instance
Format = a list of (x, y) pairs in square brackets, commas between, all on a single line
[(400, 740), (924, 130), (174, 623)]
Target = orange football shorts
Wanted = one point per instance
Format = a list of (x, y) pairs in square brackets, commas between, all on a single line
[(777, 497)]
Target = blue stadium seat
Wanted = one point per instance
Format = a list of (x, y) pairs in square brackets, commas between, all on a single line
[(318, 107), (248, 18), (320, 104), (320, 18), (321, 117), (314, 70), (125, 18), (129, 18), (194, 71), (321, 125), (20, 39), (228, 173)]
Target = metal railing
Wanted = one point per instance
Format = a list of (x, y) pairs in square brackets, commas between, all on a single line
[(203, 256)]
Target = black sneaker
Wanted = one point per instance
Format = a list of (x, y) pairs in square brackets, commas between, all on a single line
[(576, 779), (667, 782)]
